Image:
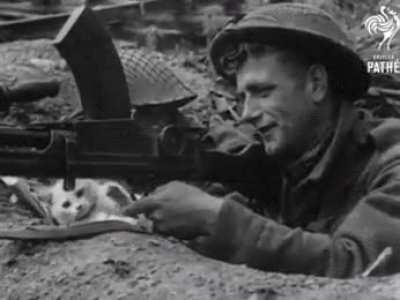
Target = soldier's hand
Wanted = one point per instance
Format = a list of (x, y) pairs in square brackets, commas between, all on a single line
[(179, 209)]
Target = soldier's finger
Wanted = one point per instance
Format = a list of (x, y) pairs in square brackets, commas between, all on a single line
[(155, 216), (159, 227), (161, 188), (197, 243), (143, 206)]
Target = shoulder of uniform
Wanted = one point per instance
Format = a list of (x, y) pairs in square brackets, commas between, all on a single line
[(385, 133)]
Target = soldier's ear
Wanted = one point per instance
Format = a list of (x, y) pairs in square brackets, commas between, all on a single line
[(317, 82)]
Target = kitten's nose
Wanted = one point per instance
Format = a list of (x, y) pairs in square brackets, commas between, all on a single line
[(79, 207)]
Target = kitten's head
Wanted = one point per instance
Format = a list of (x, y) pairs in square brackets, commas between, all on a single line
[(67, 207)]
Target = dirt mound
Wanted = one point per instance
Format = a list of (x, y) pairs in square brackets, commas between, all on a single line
[(133, 266)]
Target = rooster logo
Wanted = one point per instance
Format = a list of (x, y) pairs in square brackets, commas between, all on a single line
[(386, 23)]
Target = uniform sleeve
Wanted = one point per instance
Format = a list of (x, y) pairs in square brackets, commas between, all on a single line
[(244, 237)]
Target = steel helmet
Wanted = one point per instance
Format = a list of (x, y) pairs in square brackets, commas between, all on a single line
[(298, 27), (151, 82)]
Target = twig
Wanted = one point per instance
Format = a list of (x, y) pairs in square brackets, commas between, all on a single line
[(21, 190), (17, 210), (381, 259), (391, 92)]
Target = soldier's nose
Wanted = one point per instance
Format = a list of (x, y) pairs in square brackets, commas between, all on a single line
[(259, 119), (251, 111), (250, 116)]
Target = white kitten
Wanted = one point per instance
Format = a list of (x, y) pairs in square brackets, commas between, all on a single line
[(90, 200)]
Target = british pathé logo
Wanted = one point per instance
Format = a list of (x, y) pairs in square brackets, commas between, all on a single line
[(383, 64), (387, 24)]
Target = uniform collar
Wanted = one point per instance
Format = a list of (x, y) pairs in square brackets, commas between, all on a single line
[(324, 155)]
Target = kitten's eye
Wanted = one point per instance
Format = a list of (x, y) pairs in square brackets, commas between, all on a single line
[(66, 204), (79, 193)]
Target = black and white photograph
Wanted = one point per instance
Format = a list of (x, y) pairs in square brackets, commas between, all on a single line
[(199, 149)]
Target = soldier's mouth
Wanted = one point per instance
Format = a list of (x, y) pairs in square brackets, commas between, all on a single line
[(267, 128)]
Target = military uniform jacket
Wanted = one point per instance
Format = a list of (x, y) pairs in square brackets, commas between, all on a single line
[(335, 220)]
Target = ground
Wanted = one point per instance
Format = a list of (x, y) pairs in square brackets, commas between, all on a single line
[(128, 265), (133, 266)]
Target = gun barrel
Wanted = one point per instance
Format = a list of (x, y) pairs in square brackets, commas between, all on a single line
[(124, 149), (14, 137), (28, 92)]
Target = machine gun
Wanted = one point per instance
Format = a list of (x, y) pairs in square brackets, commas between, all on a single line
[(99, 148), (107, 143), (156, 142)]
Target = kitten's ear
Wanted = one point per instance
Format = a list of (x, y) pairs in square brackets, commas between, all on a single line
[(89, 187), (119, 194)]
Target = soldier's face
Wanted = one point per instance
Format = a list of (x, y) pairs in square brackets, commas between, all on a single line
[(277, 102)]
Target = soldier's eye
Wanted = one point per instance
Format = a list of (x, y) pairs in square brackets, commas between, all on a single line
[(66, 204), (79, 193)]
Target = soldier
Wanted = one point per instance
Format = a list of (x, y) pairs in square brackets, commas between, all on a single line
[(337, 204)]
